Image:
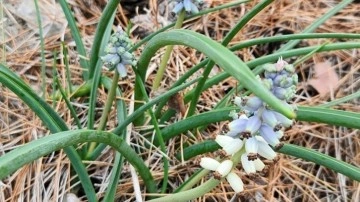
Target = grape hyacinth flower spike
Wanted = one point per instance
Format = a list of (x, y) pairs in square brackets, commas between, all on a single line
[(190, 6), (258, 129), (117, 53)]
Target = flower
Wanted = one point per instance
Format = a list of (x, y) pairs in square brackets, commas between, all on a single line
[(117, 53), (190, 6), (223, 169), (229, 144)]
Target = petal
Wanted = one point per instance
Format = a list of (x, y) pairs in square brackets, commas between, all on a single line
[(178, 7), (254, 103), (121, 69), (194, 8), (268, 117), (279, 134), (238, 101), (238, 125), (233, 114), (259, 165), (225, 167), (224, 140), (248, 166), (253, 124), (269, 135), (280, 93), (209, 163), (235, 182), (251, 145), (266, 151), (283, 119), (233, 147), (187, 5)]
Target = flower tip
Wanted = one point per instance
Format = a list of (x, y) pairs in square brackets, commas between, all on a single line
[(235, 182), (209, 163), (225, 167)]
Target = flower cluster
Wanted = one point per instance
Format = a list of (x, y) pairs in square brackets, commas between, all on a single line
[(117, 53), (258, 126), (190, 6)]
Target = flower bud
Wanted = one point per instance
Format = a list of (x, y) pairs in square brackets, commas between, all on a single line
[(289, 68), (259, 165), (253, 104), (121, 69), (269, 68), (209, 163), (233, 114), (225, 167), (235, 182), (280, 93), (238, 101)]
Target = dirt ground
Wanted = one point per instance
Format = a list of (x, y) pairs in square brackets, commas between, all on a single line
[(289, 179)]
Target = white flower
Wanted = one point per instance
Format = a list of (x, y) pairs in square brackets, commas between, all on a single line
[(248, 166), (230, 145), (235, 182), (225, 170), (264, 149)]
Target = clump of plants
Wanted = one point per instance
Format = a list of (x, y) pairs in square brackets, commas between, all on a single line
[(259, 109)]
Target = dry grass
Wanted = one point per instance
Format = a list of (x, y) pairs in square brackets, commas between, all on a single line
[(290, 179)]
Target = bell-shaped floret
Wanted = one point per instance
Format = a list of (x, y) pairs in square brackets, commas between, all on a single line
[(209, 163), (264, 149), (230, 145), (225, 167), (269, 135), (235, 182), (259, 165), (251, 148), (283, 120), (253, 124), (248, 166)]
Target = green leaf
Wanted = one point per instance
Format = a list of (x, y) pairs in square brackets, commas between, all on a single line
[(216, 52), (77, 37), (29, 152), (51, 119), (329, 116)]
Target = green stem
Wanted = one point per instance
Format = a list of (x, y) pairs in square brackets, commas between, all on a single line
[(165, 59), (106, 110)]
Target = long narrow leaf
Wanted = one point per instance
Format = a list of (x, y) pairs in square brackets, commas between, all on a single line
[(77, 37), (29, 152), (215, 51), (51, 119)]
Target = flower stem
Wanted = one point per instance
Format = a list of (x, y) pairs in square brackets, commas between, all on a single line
[(106, 110), (165, 58)]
